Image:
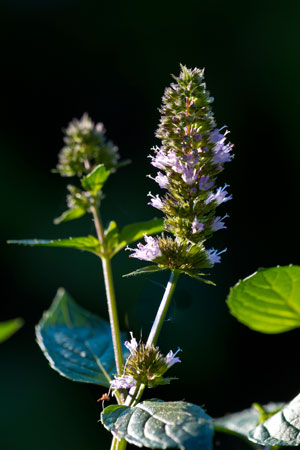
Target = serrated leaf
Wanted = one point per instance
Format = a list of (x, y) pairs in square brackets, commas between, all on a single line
[(243, 422), (10, 327), (70, 214), (95, 180), (135, 231), (77, 343), (282, 429), (269, 300), (147, 269), (158, 424), (87, 243)]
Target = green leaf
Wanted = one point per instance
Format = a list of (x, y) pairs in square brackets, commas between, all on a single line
[(111, 237), (158, 424), (269, 300), (10, 327), (282, 429), (70, 214), (77, 343), (88, 243), (135, 231), (95, 180), (147, 269), (243, 422)]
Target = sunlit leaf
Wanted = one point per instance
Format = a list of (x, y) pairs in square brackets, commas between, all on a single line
[(70, 214), (269, 300), (95, 180)]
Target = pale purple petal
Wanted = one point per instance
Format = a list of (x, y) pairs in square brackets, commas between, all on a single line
[(123, 382), (219, 197), (204, 184), (132, 344), (214, 256), (218, 224), (147, 252), (171, 358), (189, 175), (197, 227), (155, 201)]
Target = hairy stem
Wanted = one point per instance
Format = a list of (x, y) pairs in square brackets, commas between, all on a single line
[(162, 310), (110, 293)]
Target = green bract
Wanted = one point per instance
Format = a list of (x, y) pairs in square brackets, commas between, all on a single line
[(269, 300)]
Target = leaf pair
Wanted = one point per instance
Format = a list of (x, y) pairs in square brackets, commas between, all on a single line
[(115, 240), (91, 183)]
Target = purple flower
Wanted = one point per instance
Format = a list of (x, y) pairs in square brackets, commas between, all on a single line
[(189, 175), (132, 345), (162, 160), (214, 256), (219, 197), (218, 224), (161, 179), (197, 226), (222, 153), (123, 382), (216, 136), (155, 201), (171, 358), (204, 184), (147, 252)]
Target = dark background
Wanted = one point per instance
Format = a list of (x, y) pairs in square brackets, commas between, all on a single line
[(114, 59)]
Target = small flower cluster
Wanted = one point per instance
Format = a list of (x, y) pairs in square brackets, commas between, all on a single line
[(86, 147), (145, 365), (192, 154)]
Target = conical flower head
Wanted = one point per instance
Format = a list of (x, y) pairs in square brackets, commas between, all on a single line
[(192, 154), (145, 365), (85, 147)]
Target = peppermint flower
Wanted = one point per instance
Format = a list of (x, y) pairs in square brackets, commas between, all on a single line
[(144, 365), (197, 226), (214, 255), (123, 382), (218, 224), (148, 252), (161, 179), (171, 358), (219, 196), (155, 201)]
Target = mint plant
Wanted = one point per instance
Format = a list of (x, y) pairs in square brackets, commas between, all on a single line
[(86, 348)]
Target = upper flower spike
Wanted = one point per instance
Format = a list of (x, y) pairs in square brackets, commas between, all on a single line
[(85, 147), (192, 154)]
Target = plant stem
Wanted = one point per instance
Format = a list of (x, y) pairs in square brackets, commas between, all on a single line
[(110, 293), (162, 310), (119, 445)]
